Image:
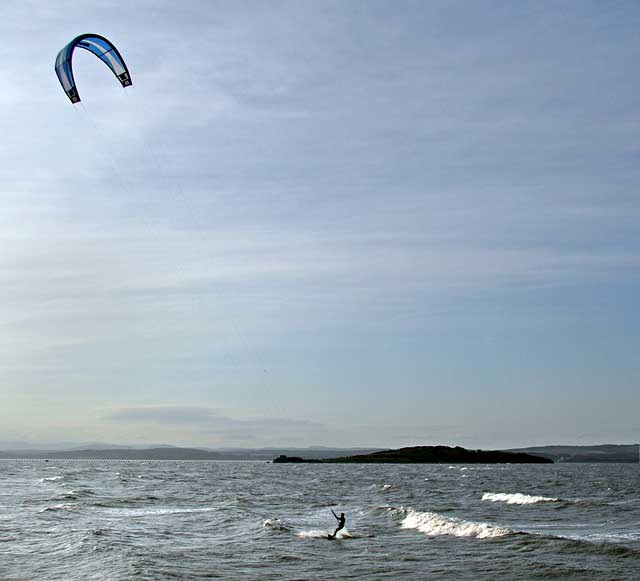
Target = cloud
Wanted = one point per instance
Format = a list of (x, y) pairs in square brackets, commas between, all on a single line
[(286, 176), (164, 414), (209, 422)]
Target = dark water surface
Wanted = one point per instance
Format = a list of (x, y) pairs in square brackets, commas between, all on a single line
[(145, 520)]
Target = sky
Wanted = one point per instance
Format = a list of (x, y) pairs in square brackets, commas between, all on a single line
[(363, 223)]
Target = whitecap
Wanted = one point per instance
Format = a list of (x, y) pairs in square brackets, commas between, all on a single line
[(313, 534), (319, 534), (142, 512), (62, 506), (276, 524), (433, 524), (51, 479), (517, 498)]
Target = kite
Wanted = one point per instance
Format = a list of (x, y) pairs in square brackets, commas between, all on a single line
[(99, 46)]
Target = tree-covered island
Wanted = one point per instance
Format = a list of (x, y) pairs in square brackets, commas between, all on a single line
[(428, 455)]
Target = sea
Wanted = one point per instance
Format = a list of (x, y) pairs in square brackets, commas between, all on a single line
[(249, 520)]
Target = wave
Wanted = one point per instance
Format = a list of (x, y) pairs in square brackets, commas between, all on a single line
[(128, 502), (433, 524), (614, 537), (62, 506), (51, 479), (276, 524), (143, 512), (318, 534), (615, 546), (389, 510), (517, 498), (76, 494), (593, 503)]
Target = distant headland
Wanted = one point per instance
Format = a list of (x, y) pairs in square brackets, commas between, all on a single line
[(431, 454), (427, 455)]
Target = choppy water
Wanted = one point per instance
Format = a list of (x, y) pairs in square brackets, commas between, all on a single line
[(267, 521)]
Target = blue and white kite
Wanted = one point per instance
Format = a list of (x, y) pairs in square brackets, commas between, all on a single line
[(99, 46)]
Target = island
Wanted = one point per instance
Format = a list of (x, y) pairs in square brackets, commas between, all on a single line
[(427, 455)]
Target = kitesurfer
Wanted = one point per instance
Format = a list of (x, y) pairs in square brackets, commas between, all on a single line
[(341, 520)]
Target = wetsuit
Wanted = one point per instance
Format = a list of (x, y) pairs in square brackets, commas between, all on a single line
[(341, 520)]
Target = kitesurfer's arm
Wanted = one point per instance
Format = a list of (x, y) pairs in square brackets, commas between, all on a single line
[(335, 515)]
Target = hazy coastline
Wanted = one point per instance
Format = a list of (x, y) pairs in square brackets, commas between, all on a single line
[(625, 453)]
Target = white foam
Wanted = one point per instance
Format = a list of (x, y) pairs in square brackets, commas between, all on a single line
[(433, 524), (276, 524), (142, 512), (51, 479), (516, 498), (633, 536), (62, 506), (318, 534)]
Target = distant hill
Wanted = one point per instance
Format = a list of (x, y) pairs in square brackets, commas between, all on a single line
[(117, 454), (17, 446), (601, 453), (176, 453), (430, 455)]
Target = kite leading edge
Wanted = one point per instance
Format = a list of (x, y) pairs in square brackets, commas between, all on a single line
[(99, 46)]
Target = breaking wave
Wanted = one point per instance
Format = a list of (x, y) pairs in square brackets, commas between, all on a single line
[(276, 524), (433, 524), (52, 479), (145, 512), (517, 498), (319, 534)]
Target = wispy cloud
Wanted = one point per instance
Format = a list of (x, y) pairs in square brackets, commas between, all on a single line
[(314, 180), (210, 425)]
